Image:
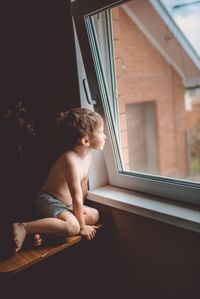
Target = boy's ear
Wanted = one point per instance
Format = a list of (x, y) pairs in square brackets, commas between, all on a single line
[(85, 141)]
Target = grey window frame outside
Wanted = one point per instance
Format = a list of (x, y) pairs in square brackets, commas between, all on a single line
[(184, 191)]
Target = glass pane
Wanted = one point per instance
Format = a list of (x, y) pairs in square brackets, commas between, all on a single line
[(158, 95)]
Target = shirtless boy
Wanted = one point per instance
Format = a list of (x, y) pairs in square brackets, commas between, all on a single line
[(60, 204)]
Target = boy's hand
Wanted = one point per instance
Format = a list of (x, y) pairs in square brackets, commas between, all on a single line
[(88, 231)]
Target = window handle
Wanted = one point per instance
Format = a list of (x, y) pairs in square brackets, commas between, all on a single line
[(87, 93)]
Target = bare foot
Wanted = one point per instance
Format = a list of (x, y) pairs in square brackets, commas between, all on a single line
[(38, 240), (19, 234)]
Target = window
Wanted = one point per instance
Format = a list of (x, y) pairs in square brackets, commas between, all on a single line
[(142, 73), (141, 126)]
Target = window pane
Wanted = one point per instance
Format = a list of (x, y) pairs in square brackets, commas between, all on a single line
[(158, 98)]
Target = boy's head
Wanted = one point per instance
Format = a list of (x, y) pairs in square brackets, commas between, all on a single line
[(76, 124)]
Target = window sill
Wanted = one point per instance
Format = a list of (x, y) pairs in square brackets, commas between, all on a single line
[(174, 213)]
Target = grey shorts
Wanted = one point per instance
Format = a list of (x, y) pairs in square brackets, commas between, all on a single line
[(48, 205)]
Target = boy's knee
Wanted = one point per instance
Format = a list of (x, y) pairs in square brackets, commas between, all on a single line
[(73, 228), (95, 216)]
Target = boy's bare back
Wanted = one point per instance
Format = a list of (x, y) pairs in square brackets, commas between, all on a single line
[(68, 173)]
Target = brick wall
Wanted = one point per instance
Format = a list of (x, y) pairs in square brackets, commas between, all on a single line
[(143, 75)]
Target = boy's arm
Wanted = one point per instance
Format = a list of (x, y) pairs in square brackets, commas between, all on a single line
[(84, 186), (75, 188)]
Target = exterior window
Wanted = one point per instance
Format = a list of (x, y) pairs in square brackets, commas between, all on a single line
[(144, 75)]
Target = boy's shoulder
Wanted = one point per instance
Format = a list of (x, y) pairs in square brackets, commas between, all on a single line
[(73, 163), (70, 156), (66, 160), (67, 157)]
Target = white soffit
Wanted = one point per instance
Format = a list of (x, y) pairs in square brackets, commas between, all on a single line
[(157, 25)]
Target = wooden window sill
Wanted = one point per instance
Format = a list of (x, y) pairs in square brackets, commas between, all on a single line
[(25, 258)]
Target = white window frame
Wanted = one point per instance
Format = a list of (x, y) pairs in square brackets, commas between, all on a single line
[(164, 187)]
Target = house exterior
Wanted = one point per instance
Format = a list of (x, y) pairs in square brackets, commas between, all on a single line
[(153, 71)]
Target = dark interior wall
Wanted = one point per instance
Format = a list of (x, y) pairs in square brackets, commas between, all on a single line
[(153, 259), (38, 74)]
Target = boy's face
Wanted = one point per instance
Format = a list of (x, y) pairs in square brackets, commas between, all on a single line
[(97, 140)]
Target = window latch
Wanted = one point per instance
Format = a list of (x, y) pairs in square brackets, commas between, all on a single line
[(87, 93)]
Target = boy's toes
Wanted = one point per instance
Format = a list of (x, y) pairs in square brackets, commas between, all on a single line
[(38, 240), (16, 242)]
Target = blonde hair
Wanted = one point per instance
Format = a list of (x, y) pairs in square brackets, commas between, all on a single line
[(77, 123)]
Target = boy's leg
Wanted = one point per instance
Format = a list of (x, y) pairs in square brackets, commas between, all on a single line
[(65, 224), (71, 222), (91, 215)]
